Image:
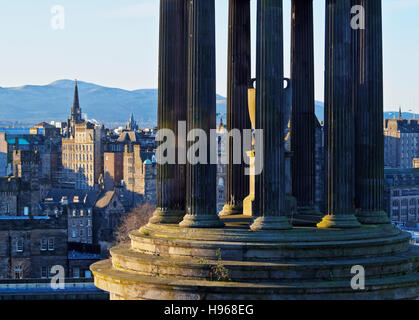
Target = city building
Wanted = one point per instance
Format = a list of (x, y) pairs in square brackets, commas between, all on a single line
[(401, 142), (402, 195), (31, 245), (140, 173), (82, 150)]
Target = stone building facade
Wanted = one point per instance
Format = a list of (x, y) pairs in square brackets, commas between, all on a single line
[(401, 142), (113, 169), (402, 195), (30, 246), (139, 175), (82, 151), (108, 212)]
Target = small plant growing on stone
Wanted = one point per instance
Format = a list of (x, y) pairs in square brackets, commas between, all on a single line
[(145, 233), (218, 272)]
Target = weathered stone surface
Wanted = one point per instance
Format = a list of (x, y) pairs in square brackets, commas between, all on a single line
[(237, 183), (368, 106), (303, 119), (201, 178), (296, 264), (270, 113), (339, 118), (171, 180)]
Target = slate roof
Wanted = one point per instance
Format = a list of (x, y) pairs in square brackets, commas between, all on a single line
[(105, 199)]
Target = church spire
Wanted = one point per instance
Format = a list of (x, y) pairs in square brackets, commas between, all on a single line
[(75, 110)]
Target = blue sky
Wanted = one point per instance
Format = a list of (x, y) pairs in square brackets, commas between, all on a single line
[(115, 43)]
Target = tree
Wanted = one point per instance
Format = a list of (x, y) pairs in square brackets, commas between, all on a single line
[(135, 219)]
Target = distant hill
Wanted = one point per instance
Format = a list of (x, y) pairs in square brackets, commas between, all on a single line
[(33, 104), (53, 102)]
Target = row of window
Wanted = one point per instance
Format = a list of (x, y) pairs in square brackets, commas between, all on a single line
[(80, 233), (81, 223), (81, 212), (405, 202), (77, 147), (46, 244), (81, 157)]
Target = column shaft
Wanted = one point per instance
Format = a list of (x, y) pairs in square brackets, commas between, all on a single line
[(270, 184), (339, 117), (201, 177), (303, 116), (368, 106), (172, 97), (237, 183)]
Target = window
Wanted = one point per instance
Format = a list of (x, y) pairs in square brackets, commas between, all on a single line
[(43, 244), (76, 273), (74, 233), (89, 212), (51, 244), (19, 245), (89, 232), (89, 222), (26, 211), (87, 274), (18, 272), (44, 272), (74, 213), (81, 213)]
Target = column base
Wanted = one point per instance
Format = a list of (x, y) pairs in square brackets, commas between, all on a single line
[(372, 217), (201, 221), (341, 221), (271, 223), (167, 216), (230, 209)]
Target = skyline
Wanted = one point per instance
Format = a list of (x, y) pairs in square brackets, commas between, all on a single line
[(92, 40)]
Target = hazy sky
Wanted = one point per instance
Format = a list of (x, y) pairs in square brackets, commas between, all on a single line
[(115, 43)]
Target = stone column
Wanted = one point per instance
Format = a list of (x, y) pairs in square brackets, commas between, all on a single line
[(237, 183), (303, 117), (339, 118), (171, 180), (368, 106), (270, 184), (201, 178)]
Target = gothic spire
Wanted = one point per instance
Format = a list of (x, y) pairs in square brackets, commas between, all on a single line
[(75, 110)]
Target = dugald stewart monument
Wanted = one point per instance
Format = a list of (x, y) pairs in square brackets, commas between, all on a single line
[(255, 248)]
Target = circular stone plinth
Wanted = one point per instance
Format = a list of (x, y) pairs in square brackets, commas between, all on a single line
[(169, 262)]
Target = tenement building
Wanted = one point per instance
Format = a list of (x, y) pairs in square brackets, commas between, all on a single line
[(402, 195), (264, 255), (31, 245), (82, 150), (401, 138)]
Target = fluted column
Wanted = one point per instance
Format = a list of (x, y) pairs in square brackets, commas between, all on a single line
[(237, 184), (339, 117), (270, 184), (201, 177), (171, 180), (368, 106), (303, 117)]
